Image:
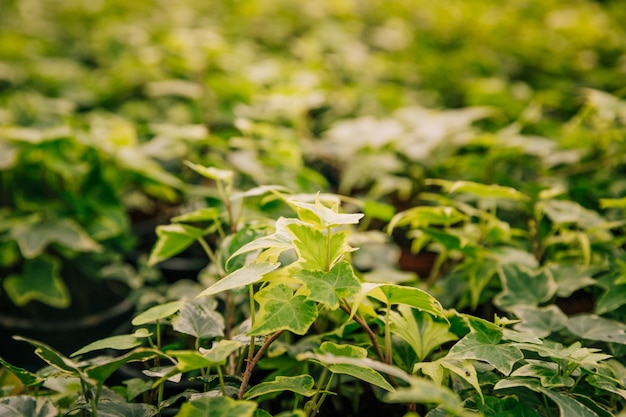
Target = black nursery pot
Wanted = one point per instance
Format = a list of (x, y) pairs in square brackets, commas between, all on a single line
[(98, 308)]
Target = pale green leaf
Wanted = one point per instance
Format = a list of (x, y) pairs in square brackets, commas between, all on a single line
[(105, 367), (173, 239), (540, 321), (323, 215), (547, 372), (280, 309), (220, 350), (41, 281), (483, 343), (330, 287), (158, 312), (198, 318), (120, 342), (279, 241), (27, 406), (247, 275), (301, 384), (396, 294), (593, 327), (424, 391), (524, 287), (34, 234), (217, 407), (422, 216), (212, 173), (484, 191), (190, 360), (203, 214)]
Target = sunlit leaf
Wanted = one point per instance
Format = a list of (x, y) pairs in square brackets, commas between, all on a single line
[(547, 372), (211, 172), (203, 214), (424, 391), (422, 216), (410, 296), (486, 191), (323, 215), (314, 249), (247, 275)]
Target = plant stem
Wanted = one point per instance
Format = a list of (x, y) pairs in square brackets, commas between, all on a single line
[(367, 329), (318, 404), (252, 362), (221, 377), (207, 250), (388, 335), (328, 247)]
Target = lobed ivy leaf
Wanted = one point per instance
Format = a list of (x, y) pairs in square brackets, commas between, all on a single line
[(35, 233), (198, 318), (483, 343), (523, 287), (314, 249), (280, 309), (301, 384), (217, 407), (463, 369), (540, 321), (156, 313), (41, 281), (27, 406), (247, 275), (171, 240), (330, 287)]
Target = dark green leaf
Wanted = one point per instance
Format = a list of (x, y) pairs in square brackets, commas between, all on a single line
[(173, 239), (301, 384), (25, 406), (39, 281), (198, 318)]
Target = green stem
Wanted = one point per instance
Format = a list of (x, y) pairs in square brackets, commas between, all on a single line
[(318, 404), (345, 307), (328, 247), (436, 269), (207, 250), (312, 404), (221, 377), (388, 335)]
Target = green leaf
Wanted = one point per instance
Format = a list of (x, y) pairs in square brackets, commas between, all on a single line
[(8, 156), (277, 242), (301, 384), (592, 327), (173, 239), (203, 214), (26, 377), (414, 297), (547, 372), (27, 406), (198, 318), (54, 358), (422, 216), (568, 406), (312, 246), (319, 214), (212, 173), (348, 360), (482, 343), (540, 321), (124, 409), (378, 210), (247, 275), (156, 313), (485, 191), (34, 234), (524, 287), (217, 407), (423, 391), (121, 342), (330, 287), (104, 368), (421, 331), (39, 281), (190, 360), (571, 277), (567, 212), (280, 309)]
